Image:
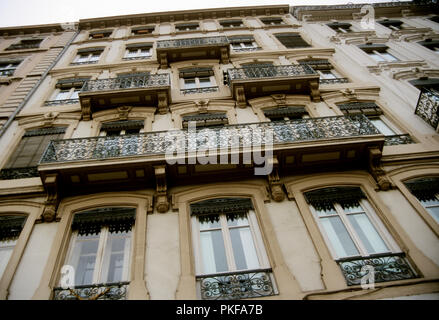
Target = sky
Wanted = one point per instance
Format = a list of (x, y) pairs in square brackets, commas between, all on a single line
[(33, 12)]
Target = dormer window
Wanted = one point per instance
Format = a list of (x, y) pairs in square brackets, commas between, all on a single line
[(187, 26), (102, 34)]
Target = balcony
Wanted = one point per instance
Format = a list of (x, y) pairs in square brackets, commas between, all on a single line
[(428, 107), (143, 90), (257, 81), (192, 48), (84, 165), (111, 291)]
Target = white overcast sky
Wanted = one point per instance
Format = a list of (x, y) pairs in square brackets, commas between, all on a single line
[(32, 12)]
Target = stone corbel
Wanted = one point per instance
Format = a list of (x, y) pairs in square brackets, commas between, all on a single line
[(86, 109), (202, 105), (240, 97), (163, 61), (276, 191), (279, 99), (315, 92), (162, 202), (52, 201), (377, 170), (224, 55), (123, 112), (162, 104), (49, 118)]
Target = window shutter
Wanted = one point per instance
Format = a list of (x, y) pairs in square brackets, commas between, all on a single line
[(116, 219), (424, 189), (10, 227), (323, 199), (222, 205)]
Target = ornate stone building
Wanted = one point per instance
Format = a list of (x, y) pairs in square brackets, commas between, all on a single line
[(268, 152)]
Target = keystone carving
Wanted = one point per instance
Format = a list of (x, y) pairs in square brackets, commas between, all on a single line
[(377, 170), (52, 201), (276, 191), (162, 201)]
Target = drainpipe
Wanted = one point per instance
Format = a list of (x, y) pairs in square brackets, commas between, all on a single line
[(36, 86)]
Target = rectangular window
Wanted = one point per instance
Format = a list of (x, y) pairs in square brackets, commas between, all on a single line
[(88, 56), (138, 51), (187, 27), (7, 69), (122, 127), (142, 30), (286, 113), (292, 40), (231, 23), (228, 245), (197, 80), (243, 43), (392, 24), (100, 247), (378, 52), (272, 21), (340, 27), (25, 44), (100, 34), (426, 190), (206, 119), (10, 229)]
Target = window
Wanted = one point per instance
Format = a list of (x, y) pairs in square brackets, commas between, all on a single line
[(102, 34), (227, 240), (430, 44), (197, 80), (25, 44), (426, 190), (434, 19), (286, 113), (66, 92), (142, 30), (391, 24), (328, 75), (10, 229), (122, 127), (355, 236), (340, 27), (378, 52), (138, 51), (292, 40), (88, 56), (100, 247), (206, 119), (272, 21), (23, 161), (243, 43), (7, 69), (187, 26), (231, 23)]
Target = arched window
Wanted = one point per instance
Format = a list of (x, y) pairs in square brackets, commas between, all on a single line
[(10, 229), (426, 190)]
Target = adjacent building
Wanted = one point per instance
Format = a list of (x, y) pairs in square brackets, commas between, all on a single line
[(268, 152)]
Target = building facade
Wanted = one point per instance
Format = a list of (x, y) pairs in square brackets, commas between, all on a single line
[(268, 152)]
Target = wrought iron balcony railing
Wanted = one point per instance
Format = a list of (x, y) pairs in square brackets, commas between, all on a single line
[(398, 139), (334, 81), (428, 107), (18, 173), (192, 42), (109, 291), (269, 71), (60, 102), (121, 83), (23, 46), (386, 267), (199, 90), (235, 136), (237, 285)]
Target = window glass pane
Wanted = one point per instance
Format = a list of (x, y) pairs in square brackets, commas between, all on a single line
[(62, 95), (132, 53), (205, 82), (244, 250), (209, 221), (382, 127), (237, 219), (338, 235), (6, 248), (434, 211), (326, 211), (352, 207), (213, 252), (326, 74), (388, 56), (84, 258), (189, 83), (95, 57), (82, 58), (145, 52), (376, 57), (75, 94), (367, 233), (116, 257)]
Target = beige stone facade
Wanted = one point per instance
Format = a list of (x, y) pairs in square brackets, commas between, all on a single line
[(353, 114)]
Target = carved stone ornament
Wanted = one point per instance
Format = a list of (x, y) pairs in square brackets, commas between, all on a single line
[(123, 112), (162, 201)]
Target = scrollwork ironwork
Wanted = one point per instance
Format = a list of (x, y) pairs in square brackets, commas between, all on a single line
[(398, 139), (193, 42), (121, 83), (387, 267), (428, 107), (238, 285), (111, 291), (269, 71)]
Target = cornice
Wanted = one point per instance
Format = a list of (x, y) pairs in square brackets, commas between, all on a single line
[(185, 15)]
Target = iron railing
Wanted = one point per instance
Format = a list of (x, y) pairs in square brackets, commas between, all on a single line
[(193, 42), (398, 139), (60, 102), (18, 173), (134, 82), (428, 107), (109, 291), (199, 90), (231, 136), (386, 267), (334, 81), (269, 72), (237, 285)]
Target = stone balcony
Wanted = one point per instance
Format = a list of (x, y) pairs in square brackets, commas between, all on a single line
[(153, 160), (145, 90), (257, 81), (192, 48)]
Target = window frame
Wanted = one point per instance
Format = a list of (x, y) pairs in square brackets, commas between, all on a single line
[(376, 222), (12, 66), (256, 237)]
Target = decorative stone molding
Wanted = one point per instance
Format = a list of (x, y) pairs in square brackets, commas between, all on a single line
[(202, 105), (52, 201), (376, 169), (162, 202), (274, 182), (415, 73), (241, 101), (162, 105), (411, 34), (350, 37), (86, 109), (398, 65), (123, 112)]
